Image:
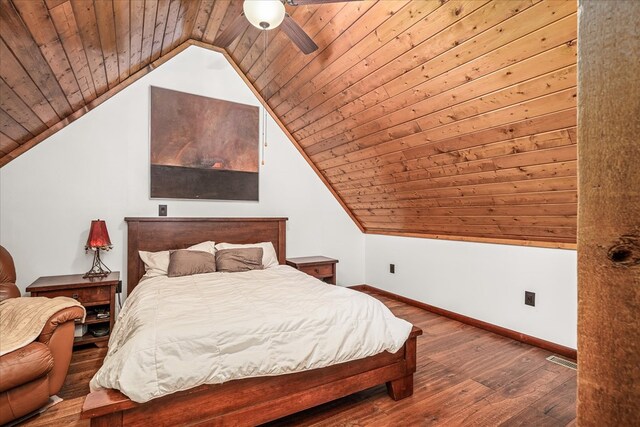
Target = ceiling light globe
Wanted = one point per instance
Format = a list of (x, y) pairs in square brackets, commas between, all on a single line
[(264, 14)]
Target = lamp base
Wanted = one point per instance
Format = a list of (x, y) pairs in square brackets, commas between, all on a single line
[(98, 269)]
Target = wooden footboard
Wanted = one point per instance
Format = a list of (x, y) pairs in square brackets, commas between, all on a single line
[(254, 401)]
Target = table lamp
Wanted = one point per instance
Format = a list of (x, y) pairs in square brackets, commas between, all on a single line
[(98, 239)]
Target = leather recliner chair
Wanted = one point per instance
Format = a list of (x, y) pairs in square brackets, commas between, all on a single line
[(29, 375)]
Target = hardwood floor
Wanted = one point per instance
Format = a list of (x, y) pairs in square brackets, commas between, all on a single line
[(466, 377)]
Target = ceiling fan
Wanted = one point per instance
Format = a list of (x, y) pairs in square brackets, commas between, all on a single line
[(267, 15)]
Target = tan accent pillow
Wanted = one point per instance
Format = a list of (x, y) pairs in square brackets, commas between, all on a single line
[(157, 263), (235, 260), (269, 257), (187, 262)]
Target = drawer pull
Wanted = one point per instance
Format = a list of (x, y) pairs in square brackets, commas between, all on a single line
[(74, 296), (317, 270)]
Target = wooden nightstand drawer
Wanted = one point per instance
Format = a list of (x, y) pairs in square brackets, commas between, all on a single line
[(85, 296), (319, 271), (320, 267)]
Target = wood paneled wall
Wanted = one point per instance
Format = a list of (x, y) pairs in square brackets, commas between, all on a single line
[(450, 119)]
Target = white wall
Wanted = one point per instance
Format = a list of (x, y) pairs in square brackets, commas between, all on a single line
[(98, 167), (482, 281)]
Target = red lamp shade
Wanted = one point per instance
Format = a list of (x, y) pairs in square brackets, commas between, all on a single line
[(98, 236)]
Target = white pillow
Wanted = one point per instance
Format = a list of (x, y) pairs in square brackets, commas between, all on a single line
[(157, 263), (269, 257)]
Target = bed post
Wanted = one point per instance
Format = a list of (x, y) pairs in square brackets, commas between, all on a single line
[(133, 275), (282, 242), (403, 387)]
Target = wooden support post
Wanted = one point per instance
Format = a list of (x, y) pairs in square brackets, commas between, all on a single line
[(609, 213)]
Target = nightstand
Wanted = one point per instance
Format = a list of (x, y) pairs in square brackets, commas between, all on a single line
[(96, 295), (319, 267)]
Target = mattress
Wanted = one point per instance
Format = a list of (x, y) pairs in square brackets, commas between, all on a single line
[(174, 334)]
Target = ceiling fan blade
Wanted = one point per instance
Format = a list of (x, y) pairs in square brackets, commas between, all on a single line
[(297, 35), (303, 2), (237, 27)]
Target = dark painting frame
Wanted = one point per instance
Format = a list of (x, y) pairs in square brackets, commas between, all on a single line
[(203, 148)]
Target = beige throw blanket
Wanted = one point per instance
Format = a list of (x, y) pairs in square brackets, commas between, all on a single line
[(22, 319)]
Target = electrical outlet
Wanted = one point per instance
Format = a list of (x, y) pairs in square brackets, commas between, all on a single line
[(530, 298), (392, 268), (162, 210)]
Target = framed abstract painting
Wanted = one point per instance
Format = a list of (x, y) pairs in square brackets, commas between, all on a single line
[(203, 148)]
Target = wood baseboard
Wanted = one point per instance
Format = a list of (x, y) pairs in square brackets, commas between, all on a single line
[(568, 352)]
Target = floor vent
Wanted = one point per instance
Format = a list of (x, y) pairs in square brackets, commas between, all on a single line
[(564, 362)]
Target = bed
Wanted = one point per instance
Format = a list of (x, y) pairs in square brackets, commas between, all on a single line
[(249, 401)]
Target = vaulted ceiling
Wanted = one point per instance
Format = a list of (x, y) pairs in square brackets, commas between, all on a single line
[(450, 119)]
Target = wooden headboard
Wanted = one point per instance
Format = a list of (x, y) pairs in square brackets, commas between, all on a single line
[(160, 234)]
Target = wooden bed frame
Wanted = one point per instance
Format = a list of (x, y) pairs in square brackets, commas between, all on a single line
[(249, 401)]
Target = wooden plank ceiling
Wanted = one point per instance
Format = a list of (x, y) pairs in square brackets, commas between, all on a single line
[(435, 118)]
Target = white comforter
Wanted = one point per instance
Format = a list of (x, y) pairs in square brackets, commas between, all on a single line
[(177, 333)]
